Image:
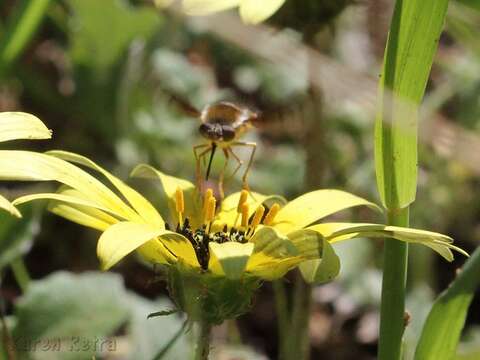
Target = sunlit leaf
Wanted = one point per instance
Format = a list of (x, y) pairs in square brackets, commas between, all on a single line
[(411, 46), (443, 327)]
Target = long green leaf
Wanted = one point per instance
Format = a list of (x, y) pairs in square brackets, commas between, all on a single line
[(412, 43), (442, 329), (20, 29)]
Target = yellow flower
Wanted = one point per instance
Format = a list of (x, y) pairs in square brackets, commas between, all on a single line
[(217, 253), (251, 11), (242, 238), (19, 125)]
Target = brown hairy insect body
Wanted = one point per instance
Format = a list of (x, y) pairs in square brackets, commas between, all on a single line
[(223, 124)]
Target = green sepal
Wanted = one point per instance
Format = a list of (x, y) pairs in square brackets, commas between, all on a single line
[(205, 297)]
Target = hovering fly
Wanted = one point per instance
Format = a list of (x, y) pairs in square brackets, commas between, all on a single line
[(222, 125)]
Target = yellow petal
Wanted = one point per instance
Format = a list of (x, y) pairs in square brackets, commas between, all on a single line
[(205, 7), (180, 247), (78, 212), (308, 243), (6, 205), (143, 207), (319, 271), (344, 231), (59, 198), (229, 259), (170, 185), (27, 165), (315, 205), (85, 216), (20, 125), (274, 269), (71, 205), (155, 252), (121, 239), (255, 11), (273, 255)]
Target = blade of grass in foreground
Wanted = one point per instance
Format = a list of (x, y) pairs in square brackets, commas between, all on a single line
[(444, 324), (412, 42), (21, 26)]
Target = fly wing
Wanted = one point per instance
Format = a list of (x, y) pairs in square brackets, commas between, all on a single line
[(184, 106)]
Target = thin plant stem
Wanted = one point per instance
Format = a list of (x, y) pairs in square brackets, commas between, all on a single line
[(392, 312), (202, 346), (281, 308), (20, 273), (302, 306)]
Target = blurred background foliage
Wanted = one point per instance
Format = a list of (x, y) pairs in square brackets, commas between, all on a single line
[(101, 75)]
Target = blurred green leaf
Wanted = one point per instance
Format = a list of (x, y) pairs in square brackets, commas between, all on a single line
[(16, 235), (150, 336), (80, 310), (444, 324), (102, 30), (92, 314), (100, 35), (411, 46)]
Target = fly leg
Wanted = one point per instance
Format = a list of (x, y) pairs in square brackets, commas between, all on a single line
[(198, 156), (239, 164), (253, 147)]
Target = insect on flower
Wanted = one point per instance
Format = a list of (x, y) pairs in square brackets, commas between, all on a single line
[(222, 125)]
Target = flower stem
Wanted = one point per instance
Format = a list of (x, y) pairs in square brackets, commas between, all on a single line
[(302, 306), (281, 308), (392, 324), (202, 347)]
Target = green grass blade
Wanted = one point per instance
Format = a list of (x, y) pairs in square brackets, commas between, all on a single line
[(442, 329), (21, 26), (412, 43)]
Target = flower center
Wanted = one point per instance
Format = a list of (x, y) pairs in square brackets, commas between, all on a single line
[(201, 237)]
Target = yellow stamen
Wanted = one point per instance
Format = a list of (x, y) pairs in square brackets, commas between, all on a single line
[(257, 217), (206, 198), (242, 200), (210, 213), (179, 204), (245, 215), (271, 214)]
